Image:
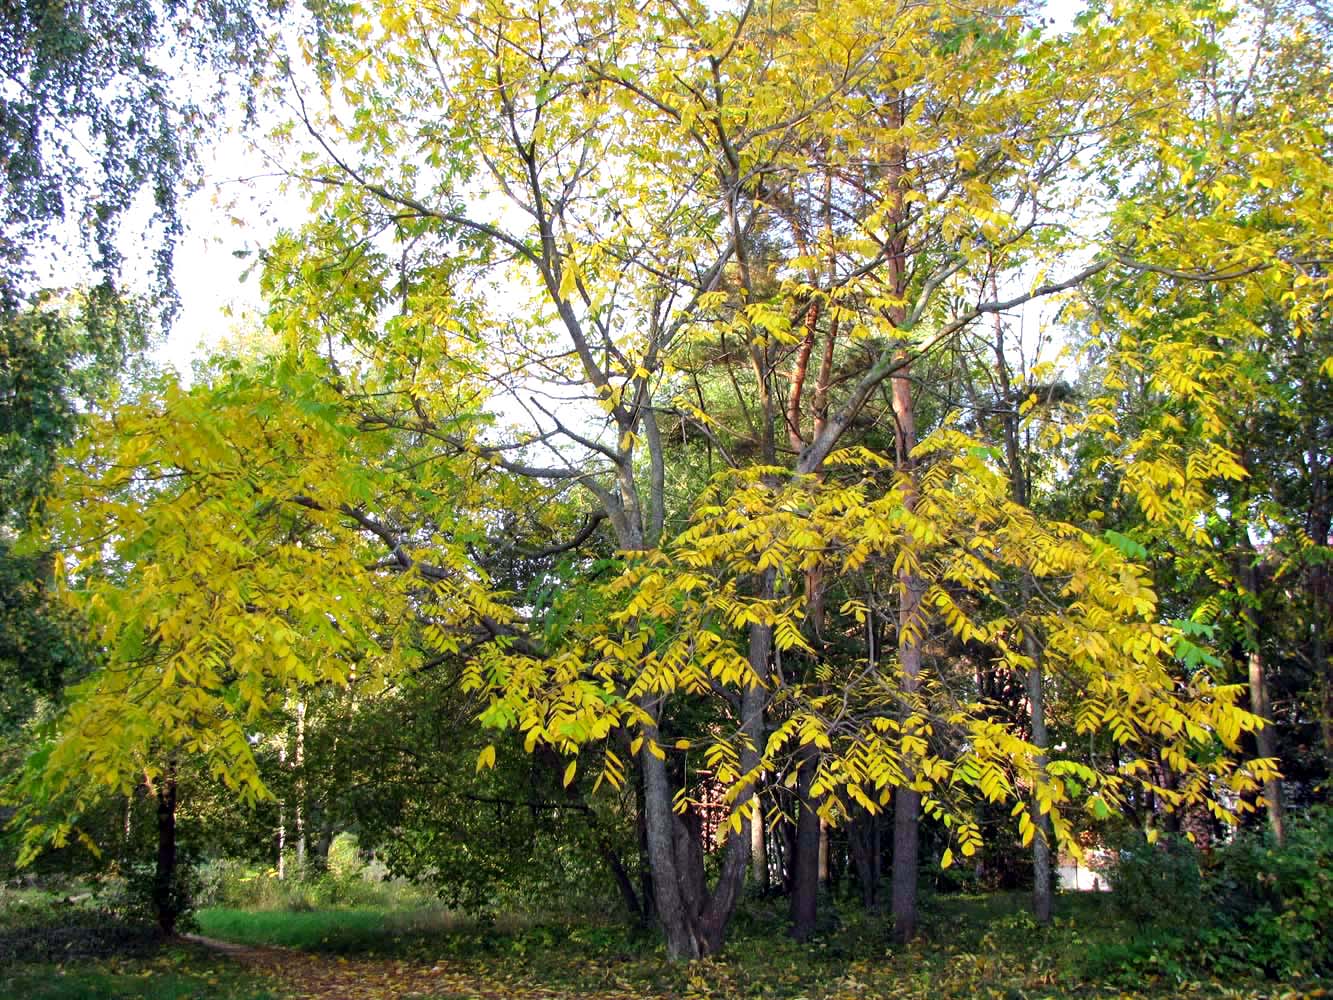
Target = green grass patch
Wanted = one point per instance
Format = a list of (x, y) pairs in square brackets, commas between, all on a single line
[(339, 931)]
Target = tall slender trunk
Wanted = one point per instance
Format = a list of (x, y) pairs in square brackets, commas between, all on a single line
[(825, 870), (645, 864), (1321, 593), (282, 825), (166, 904), (907, 801), (805, 881), (1042, 880), (864, 847), (758, 847), (1258, 681), (300, 789), (1041, 840), (1264, 738)]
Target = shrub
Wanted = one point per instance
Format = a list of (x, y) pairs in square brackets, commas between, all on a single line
[(131, 897), (1253, 907), (1158, 883), (1273, 907)]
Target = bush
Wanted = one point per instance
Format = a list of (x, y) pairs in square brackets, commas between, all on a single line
[(1251, 907), (1158, 883), (221, 881), (1273, 907), (130, 896)]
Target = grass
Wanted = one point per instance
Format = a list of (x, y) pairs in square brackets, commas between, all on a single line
[(175, 973), (337, 931), (54, 949), (971, 947)]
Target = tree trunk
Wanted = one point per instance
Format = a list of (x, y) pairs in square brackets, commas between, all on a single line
[(805, 881), (863, 845), (1042, 882), (645, 865), (907, 802), (1264, 739), (906, 846), (825, 878), (1258, 682), (1041, 839), (759, 848), (300, 789), (679, 925), (166, 904)]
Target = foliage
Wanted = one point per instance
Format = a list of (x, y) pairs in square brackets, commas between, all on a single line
[(511, 835), (1101, 639), (1250, 907), (1158, 883), (131, 895), (163, 973), (38, 926), (1271, 906), (437, 503), (57, 360), (195, 673), (92, 120), (344, 860)]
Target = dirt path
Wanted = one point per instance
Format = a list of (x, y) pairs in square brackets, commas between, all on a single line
[(301, 975)]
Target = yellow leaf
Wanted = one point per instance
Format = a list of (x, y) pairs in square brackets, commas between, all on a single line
[(569, 772), (486, 758), (568, 282)]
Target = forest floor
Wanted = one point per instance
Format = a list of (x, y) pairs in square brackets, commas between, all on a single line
[(977, 947), (971, 947)]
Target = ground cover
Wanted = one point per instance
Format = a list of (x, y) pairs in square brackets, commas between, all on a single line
[(974, 947), (75, 944)]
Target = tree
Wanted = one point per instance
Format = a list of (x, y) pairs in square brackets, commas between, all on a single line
[(208, 539), (1218, 350), (498, 337), (656, 168), (92, 121)]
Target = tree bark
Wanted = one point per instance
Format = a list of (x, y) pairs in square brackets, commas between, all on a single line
[(907, 802), (1258, 682), (864, 847), (1042, 881), (1264, 739), (906, 847), (166, 904), (805, 881), (825, 877), (298, 762), (758, 847), (1041, 840)]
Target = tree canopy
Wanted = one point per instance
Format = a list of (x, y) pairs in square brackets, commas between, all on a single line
[(818, 412)]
